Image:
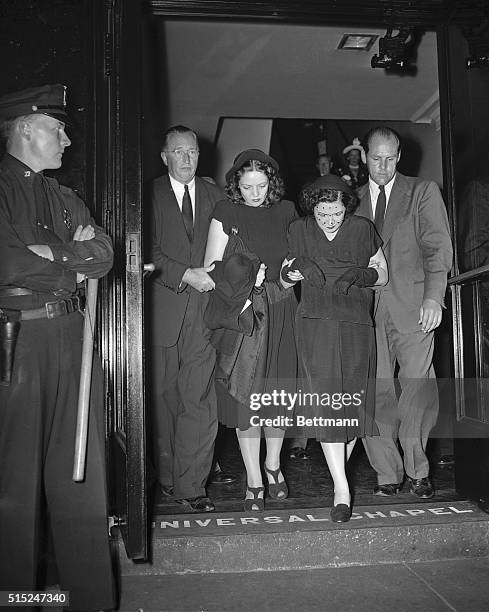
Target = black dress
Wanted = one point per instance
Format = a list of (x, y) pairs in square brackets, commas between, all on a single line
[(269, 362), (335, 335)]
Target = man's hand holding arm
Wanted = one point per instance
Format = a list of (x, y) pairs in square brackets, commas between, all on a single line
[(45, 251), (81, 234), (42, 250), (84, 233), (89, 252), (29, 266), (199, 278)]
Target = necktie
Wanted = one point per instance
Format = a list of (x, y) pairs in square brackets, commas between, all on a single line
[(41, 202), (48, 210), (380, 209), (188, 217)]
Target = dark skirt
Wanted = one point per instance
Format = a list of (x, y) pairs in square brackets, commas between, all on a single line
[(337, 362), (264, 362)]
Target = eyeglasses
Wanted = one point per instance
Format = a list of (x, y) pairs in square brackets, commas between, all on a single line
[(181, 153)]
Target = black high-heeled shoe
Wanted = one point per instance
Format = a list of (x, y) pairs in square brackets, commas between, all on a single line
[(276, 490), (341, 513), (259, 502)]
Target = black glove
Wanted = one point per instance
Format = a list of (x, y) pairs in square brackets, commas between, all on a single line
[(285, 271), (309, 270), (361, 277)]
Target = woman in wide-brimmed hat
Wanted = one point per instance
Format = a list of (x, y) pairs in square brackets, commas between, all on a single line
[(352, 169), (254, 220)]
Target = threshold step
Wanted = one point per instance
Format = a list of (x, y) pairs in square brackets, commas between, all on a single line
[(307, 538)]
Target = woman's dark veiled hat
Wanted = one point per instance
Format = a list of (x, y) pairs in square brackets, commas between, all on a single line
[(246, 156), (330, 181), (313, 193)]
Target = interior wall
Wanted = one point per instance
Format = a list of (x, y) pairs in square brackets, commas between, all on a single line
[(155, 99), (197, 72), (236, 135)]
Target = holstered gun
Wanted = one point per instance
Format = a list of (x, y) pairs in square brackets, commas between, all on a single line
[(9, 331)]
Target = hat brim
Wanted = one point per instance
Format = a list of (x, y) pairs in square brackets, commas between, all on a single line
[(329, 181), (249, 155), (60, 116), (352, 148)]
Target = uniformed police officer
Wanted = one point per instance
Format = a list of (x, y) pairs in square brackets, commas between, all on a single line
[(48, 245)]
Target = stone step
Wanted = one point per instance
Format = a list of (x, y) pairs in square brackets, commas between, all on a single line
[(293, 539)]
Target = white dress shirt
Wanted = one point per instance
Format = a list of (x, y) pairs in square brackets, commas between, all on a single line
[(374, 193), (178, 190)]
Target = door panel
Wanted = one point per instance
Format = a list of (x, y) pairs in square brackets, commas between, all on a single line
[(118, 151), (465, 118)]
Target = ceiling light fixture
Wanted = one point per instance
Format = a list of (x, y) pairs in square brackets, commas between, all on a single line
[(357, 42)]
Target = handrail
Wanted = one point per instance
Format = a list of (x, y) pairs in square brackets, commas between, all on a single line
[(459, 279)]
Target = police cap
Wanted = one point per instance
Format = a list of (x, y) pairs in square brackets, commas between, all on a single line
[(46, 100)]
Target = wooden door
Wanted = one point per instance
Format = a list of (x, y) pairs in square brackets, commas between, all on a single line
[(464, 97), (116, 57)]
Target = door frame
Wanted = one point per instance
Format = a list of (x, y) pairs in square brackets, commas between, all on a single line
[(435, 16), (117, 172), (459, 279), (119, 91)]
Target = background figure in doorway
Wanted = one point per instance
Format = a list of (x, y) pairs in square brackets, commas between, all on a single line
[(337, 257), (255, 216), (49, 244), (411, 218), (352, 169), (323, 164), (184, 418)]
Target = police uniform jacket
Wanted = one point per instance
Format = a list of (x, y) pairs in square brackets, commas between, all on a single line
[(37, 210)]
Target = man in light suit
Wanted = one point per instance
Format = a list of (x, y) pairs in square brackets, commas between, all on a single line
[(408, 309), (183, 360)]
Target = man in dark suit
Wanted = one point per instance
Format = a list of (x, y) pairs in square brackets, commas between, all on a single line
[(183, 360), (411, 218)]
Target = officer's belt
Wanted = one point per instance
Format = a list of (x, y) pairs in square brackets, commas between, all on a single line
[(50, 310), (14, 291)]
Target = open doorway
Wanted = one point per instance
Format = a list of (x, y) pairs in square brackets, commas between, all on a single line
[(206, 72), (286, 88)]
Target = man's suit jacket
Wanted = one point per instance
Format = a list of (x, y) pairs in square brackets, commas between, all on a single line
[(172, 253), (417, 247)]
